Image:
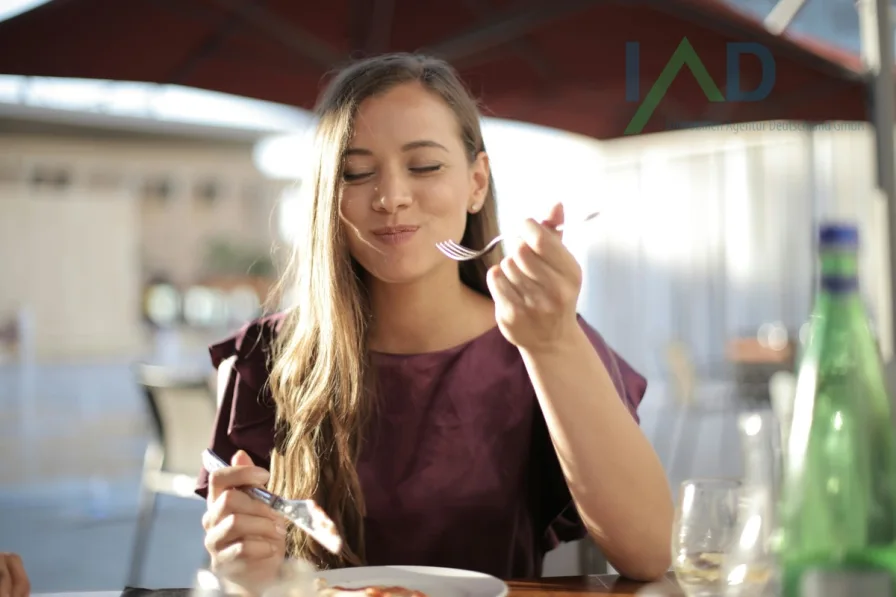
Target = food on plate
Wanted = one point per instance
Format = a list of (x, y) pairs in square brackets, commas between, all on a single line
[(323, 590)]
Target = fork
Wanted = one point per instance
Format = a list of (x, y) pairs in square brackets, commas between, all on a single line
[(305, 514), (451, 249)]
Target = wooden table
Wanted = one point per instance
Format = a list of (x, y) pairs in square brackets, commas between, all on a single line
[(595, 584), (607, 585)]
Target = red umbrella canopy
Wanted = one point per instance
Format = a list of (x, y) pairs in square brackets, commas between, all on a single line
[(599, 68)]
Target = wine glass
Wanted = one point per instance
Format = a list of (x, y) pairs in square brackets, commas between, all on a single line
[(704, 529)]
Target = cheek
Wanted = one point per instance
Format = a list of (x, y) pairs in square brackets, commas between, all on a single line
[(352, 212), (351, 207), (447, 196)]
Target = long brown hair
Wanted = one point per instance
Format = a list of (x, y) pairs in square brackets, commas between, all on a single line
[(320, 377)]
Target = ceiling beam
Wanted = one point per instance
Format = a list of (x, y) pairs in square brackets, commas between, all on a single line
[(211, 44), (521, 47), (379, 32), (689, 12), (290, 36), (358, 17), (782, 15), (504, 27)]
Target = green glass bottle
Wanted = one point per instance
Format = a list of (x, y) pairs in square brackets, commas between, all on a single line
[(838, 502)]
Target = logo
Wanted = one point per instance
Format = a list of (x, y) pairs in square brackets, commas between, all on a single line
[(686, 55)]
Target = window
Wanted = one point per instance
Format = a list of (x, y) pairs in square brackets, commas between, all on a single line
[(207, 193), (51, 178), (157, 190)]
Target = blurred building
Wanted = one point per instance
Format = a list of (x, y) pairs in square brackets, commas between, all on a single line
[(96, 211)]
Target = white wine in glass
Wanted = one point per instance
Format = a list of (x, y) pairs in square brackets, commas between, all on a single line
[(705, 525)]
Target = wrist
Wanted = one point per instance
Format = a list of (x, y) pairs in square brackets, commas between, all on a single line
[(567, 341)]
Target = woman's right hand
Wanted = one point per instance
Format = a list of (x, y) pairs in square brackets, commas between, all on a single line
[(245, 538)]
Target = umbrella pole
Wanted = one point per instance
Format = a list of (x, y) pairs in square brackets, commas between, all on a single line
[(876, 31)]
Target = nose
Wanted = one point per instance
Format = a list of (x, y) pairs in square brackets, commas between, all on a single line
[(392, 192)]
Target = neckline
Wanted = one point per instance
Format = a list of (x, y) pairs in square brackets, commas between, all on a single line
[(441, 352)]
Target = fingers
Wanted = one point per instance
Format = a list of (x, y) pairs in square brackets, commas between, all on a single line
[(21, 587), (240, 529), (501, 287), (547, 244), (525, 262), (527, 288), (241, 458), (239, 475), (13, 579), (234, 501), (246, 551), (245, 529), (555, 216), (5, 576), (528, 279)]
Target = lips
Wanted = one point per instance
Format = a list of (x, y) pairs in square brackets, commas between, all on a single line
[(388, 230), (395, 235)]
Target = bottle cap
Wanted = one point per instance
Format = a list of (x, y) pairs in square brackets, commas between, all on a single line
[(839, 234)]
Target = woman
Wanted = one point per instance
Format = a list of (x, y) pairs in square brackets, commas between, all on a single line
[(443, 414)]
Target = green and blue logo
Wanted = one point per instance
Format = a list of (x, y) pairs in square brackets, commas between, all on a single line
[(686, 55)]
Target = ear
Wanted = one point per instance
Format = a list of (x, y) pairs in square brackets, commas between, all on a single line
[(480, 175)]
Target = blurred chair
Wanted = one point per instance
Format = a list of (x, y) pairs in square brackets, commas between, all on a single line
[(757, 357), (695, 396), (9, 339), (17, 336), (683, 372), (182, 413)]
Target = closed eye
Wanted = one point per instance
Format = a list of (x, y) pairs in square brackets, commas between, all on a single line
[(355, 176), (426, 169)]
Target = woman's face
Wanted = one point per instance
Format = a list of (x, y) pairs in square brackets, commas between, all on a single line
[(408, 183)]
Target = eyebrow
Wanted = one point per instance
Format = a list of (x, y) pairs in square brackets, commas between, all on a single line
[(405, 147)]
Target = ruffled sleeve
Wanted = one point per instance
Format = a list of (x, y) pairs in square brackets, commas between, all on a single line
[(556, 512), (246, 414)]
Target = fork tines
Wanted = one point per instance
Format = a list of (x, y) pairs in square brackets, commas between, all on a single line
[(456, 251)]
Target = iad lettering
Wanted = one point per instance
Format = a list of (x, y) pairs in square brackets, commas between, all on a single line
[(685, 55)]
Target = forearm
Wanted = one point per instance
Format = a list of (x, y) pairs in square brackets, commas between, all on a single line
[(614, 475)]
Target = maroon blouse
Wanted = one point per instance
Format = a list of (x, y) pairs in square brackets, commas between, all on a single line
[(458, 469)]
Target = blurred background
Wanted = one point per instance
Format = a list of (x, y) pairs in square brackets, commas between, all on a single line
[(141, 221)]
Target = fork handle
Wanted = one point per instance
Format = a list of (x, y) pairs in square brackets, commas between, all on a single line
[(213, 462), (262, 495), (590, 216)]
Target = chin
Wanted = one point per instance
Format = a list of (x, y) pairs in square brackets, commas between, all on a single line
[(402, 271), (396, 275)]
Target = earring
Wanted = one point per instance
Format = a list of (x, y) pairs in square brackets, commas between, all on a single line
[(475, 208)]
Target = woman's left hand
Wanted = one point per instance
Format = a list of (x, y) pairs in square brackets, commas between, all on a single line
[(13, 580), (536, 287)]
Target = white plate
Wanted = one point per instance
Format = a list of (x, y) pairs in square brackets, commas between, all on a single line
[(435, 582), (80, 594)]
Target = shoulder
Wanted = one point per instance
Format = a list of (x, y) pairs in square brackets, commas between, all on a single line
[(250, 348), (246, 408), (257, 335)]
